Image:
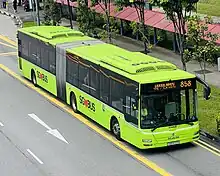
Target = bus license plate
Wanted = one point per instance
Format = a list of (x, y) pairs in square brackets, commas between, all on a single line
[(173, 143)]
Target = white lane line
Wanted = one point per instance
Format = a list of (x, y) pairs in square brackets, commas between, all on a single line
[(41, 162), (1, 124)]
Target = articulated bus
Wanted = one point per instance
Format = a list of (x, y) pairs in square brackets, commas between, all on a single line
[(145, 101)]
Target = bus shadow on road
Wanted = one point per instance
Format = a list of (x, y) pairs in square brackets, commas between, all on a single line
[(169, 149)]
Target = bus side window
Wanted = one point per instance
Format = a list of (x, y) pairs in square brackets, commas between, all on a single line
[(72, 72), (19, 48), (39, 60), (52, 62), (84, 78), (44, 58), (131, 113), (32, 51), (94, 83), (117, 94), (24, 47), (104, 87)]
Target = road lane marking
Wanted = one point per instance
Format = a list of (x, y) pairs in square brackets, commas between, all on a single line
[(37, 119), (117, 143), (1, 124), (8, 54), (35, 157), (209, 146), (6, 39), (51, 131), (5, 44), (214, 152)]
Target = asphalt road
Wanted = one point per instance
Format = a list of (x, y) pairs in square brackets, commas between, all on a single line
[(26, 148), (86, 153)]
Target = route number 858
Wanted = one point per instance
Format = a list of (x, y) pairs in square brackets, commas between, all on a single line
[(186, 84)]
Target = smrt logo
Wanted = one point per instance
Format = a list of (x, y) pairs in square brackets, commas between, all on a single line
[(87, 103), (42, 76)]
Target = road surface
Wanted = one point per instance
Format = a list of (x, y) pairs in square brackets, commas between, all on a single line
[(29, 147)]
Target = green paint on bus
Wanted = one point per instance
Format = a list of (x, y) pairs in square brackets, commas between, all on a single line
[(110, 83)]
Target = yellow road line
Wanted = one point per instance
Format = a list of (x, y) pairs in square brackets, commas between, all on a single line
[(8, 54), (5, 44), (208, 145), (197, 143), (6, 39), (119, 144)]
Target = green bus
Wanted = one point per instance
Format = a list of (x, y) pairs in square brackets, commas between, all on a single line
[(140, 99)]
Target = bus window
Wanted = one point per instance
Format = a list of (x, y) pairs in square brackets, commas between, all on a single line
[(94, 83), (166, 108), (25, 49), (117, 94), (44, 58), (131, 113), (104, 87), (52, 62), (72, 72), (84, 78)]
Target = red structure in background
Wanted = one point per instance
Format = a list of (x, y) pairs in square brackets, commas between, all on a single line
[(153, 19)]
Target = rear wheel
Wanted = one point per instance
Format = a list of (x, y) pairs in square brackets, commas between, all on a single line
[(73, 102), (115, 128), (33, 78)]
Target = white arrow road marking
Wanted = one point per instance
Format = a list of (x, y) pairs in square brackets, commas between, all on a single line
[(41, 162), (53, 132), (1, 124), (33, 116)]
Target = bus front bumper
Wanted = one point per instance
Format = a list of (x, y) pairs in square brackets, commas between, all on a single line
[(147, 144)]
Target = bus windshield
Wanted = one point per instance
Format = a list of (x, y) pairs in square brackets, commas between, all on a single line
[(168, 108)]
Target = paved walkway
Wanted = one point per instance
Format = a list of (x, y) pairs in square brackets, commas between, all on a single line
[(212, 78)]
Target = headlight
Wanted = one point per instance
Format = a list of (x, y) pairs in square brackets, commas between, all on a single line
[(146, 140)]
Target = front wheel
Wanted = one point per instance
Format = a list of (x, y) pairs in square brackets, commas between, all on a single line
[(116, 129)]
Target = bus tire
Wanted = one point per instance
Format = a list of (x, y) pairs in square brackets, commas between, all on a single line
[(33, 78), (115, 128), (73, 102)]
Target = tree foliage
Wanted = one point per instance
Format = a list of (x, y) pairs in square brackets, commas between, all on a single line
[(52, 13), (178, 11), (139, 27), (85, 17), (201, 42), (114, 29), (105, 6)]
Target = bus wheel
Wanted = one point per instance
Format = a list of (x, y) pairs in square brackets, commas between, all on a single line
[(33, 78), (115, 128), (73, 102)]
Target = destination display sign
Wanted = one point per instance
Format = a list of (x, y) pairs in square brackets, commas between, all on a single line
[(169, 85)]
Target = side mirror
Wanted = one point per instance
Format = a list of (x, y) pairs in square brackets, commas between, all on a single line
[(206, 89), (206, 93)]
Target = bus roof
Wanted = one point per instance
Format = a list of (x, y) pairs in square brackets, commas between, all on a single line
[(134, 65), (54, 34)]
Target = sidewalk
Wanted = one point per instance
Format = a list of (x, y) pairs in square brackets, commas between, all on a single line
[(212, 76)]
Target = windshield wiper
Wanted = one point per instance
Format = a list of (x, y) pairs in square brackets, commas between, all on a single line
[(187, 122), (160, 125), (167, 122)]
